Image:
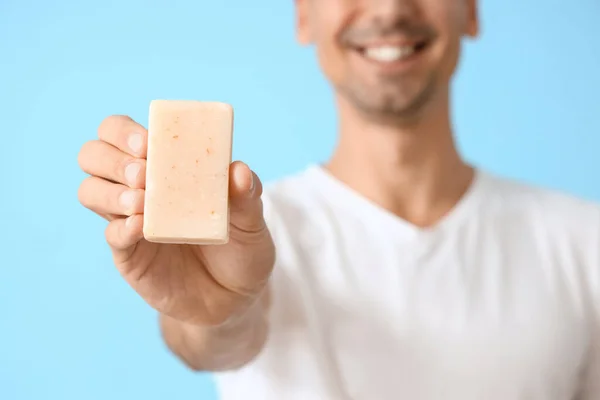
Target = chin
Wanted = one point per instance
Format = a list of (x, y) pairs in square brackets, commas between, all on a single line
[(390, 99), (392, 107), (406, 102)]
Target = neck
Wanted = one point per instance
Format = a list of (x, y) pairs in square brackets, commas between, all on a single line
[(412, 169)]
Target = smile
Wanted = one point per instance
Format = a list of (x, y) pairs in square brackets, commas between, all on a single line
[(391, 53)]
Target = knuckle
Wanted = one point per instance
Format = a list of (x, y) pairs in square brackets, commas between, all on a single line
[(118, 168), (111, 234), (81, 156), (112, 123), (84, 191), (106, 124), (215, 318), (96, 196), (85, 153), (112, 201), (219, 308)]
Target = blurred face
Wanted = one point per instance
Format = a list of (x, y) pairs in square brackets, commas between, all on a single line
[(387, 58)]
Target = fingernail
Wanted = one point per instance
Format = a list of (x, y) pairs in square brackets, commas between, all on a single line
[(135, 143), (126, 200), (251, 190), (131, 172)]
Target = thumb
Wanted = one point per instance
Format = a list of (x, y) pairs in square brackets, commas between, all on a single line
[(246, 209)]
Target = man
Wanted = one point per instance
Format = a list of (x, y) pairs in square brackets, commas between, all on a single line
[(400, 272)]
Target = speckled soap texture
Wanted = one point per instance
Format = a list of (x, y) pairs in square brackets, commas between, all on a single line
[(187, 172)]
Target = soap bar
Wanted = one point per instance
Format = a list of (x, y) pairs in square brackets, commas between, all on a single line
[(187, 172)]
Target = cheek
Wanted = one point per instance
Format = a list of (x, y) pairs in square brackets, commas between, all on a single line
[(331, 54), (452, 17), (449, 18), (332, 60)]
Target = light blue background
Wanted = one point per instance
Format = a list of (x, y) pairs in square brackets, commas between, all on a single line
[(70, 329)]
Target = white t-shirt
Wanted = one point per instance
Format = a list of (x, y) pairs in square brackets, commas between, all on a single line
[(499, 301)]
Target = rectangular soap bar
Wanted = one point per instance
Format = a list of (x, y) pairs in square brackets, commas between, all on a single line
[(187, 172)]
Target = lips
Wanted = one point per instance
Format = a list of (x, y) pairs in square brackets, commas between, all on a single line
[(388, 53), (391, 53)]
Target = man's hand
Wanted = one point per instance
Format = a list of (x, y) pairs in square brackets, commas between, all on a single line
[(196, 285)]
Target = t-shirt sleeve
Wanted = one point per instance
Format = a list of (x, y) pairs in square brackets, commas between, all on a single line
[(590, 389)]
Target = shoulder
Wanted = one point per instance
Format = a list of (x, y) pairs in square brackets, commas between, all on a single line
[(548, 207), (569, 225), (562, 226)]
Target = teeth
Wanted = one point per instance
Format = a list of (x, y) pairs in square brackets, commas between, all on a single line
[(389, 53)]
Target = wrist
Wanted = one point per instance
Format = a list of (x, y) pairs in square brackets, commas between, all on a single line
[(254, 312)]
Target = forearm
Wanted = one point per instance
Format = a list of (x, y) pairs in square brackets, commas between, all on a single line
[(225, 347)]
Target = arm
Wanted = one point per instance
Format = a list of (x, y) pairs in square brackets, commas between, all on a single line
[(228, 346)]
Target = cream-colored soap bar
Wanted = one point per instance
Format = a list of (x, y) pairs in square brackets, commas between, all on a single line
[(187, 172)]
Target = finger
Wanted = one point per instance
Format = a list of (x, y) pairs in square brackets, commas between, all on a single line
[(125, 134), (123, 233), (104, 197), (108, 217), (251, 259), (245, 190), (103, 160)]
